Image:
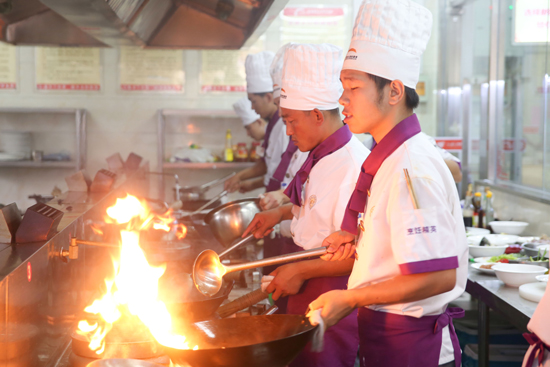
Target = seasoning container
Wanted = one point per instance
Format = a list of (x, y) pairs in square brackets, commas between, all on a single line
[(228, 153), (242, 153), (489, 210), (254, 156), (468, 210), (477, 220)]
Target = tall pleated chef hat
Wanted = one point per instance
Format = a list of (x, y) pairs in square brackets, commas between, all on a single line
[(311, 77), (276, 70), (388, 40), (258, 79), (243, 109)]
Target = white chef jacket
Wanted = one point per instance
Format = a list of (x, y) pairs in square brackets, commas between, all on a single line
[(278, 141), (326, 193), (296, 162), (397, 239)]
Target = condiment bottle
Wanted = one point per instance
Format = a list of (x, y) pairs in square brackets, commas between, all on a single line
[(228, 153), (242, 153), (489, 210), (477, 220), (468, 210)]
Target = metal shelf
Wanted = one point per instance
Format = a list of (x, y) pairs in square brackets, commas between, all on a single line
[(211, 165), (206, 113), (43, 164), (38, 110)]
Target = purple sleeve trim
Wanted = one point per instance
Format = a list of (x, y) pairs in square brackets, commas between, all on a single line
[(428, 266)]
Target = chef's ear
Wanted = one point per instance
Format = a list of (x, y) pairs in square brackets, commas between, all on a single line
[(397, 92), (269, 97), (318, 116)]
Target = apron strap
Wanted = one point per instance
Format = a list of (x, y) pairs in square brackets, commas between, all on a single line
[(536, 352), (445, 319)]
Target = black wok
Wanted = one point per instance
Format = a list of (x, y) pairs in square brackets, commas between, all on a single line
[(263, 341), (185, 303)]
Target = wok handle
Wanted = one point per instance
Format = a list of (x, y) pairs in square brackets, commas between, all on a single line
[(214, 199), (216, 182), (238, 244), (276, 260), (242, 302)]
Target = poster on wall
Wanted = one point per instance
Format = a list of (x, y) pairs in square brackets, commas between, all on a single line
[(223, 71), (316, 24), (68, 68), (531, 21), (8, 67), (151, 70)]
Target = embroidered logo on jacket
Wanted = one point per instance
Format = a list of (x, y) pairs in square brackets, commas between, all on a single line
[(312, 201)]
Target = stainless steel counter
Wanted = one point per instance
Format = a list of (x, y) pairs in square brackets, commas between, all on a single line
[(492, 293)]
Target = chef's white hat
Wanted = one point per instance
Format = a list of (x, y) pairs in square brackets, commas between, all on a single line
[(258, 79), (389, 38), (243, 109), (276, 70), (311, 77)]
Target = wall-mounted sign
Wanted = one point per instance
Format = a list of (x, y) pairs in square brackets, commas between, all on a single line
[(151, 70), (316, 24), (68, 68), (531, 21), (8, 66), (223, 71)]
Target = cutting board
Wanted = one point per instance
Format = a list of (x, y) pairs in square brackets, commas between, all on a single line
[(532, 291)]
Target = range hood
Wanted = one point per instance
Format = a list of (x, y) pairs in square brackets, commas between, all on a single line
[(168, 24)]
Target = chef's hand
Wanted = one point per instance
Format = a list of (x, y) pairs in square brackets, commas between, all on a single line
[(340, 246), (233, 184), (335, 304), (288, 281), (246, 186), (273, 199), (263, 223)]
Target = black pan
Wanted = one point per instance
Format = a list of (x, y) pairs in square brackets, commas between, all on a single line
[(262, 341), (185, 303)]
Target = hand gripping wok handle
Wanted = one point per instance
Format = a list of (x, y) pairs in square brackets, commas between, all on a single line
[(242, 302), (237, 244)]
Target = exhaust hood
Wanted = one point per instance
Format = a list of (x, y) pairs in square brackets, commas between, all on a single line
[(168, 24)]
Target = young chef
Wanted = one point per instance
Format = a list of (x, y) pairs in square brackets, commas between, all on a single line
[(260, 93), (252, 122), (292, 159), (410, 261), (318, 194)]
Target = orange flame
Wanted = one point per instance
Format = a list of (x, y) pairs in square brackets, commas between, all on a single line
[(134, 288)]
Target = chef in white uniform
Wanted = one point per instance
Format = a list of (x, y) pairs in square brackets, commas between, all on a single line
[(252, 121), (259, 87), (291, 160), (319, 192), (411, 256)]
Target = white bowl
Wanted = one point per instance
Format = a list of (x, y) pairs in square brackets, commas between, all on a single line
[(514, 275), (508, 227), (494, 239), (476, 231), (542, 278), (486, 251)]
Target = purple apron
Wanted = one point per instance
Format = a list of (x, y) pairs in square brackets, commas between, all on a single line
[(340, 341), (392, 340)]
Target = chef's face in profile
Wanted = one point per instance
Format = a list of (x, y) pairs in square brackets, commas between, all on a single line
[(363, 105), (261, 103), (303, 127), (256, 130)]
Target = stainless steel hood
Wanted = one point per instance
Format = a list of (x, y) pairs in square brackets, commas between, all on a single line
[(176, 24)]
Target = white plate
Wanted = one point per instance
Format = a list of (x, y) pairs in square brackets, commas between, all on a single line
[(483, 260), (542, 278), (494, 239), (478, 267), (473, 231), (532, 291)]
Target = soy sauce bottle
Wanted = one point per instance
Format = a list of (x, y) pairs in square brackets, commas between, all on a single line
[(468, 210)]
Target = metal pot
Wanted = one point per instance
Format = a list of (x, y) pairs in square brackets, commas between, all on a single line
[(229, 221), (263, 341), (532, 249)]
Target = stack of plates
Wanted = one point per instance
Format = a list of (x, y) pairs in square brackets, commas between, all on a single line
[(17, 144)]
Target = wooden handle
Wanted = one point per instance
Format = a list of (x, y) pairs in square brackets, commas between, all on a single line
[(242, 302)]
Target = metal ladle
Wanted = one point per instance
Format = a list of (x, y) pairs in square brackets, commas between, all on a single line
[(208, 271)]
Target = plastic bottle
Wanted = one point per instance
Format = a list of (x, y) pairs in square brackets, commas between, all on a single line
[(228, 153), (468, 210), (489, 210)]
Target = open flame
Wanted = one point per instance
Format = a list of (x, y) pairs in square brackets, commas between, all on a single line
[(134, 288)]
